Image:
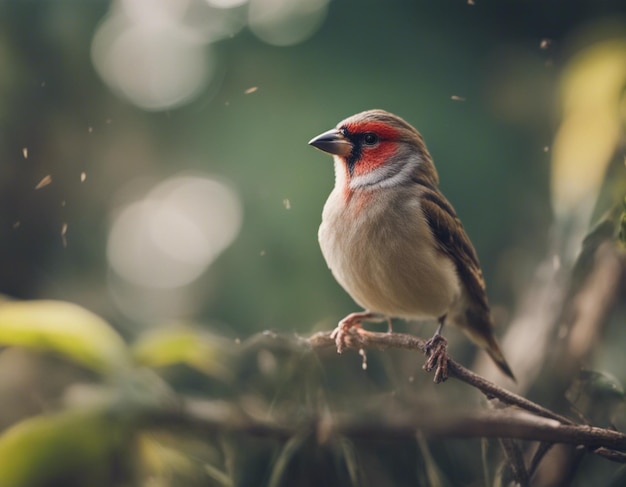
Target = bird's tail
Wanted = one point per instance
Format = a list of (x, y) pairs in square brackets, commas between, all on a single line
[(477, 323), (480, 331), (493, 349)]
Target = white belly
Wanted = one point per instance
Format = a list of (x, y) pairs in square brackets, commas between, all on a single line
[(384, 257)]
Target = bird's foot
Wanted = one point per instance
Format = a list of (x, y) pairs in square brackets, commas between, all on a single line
[(346, 335), (437, 353)]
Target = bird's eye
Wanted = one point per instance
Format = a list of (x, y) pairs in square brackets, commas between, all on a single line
[(370, 138)]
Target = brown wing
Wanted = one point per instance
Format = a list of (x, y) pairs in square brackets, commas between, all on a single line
[(454, 242)]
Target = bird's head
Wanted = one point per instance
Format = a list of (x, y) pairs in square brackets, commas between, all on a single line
[(376, 149)]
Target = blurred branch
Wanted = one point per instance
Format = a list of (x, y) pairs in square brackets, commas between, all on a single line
[(563, 309), (527, 421), (588, 308), (207, 417), (515, 458)]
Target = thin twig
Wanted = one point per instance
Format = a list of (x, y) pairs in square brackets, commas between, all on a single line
[(362, 339), (515, 459), (541, 451), (367, 339)]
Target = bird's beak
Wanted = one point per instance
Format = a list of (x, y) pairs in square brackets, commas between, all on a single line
[(333, 142)]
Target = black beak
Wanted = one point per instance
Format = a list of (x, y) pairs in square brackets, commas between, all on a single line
[(333, 142)]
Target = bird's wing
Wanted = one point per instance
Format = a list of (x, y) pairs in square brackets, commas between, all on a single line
[(452, 240)]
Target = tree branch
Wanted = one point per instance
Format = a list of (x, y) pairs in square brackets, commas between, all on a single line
[(495, 423), (527, 421), (208, 417), (366, 339)]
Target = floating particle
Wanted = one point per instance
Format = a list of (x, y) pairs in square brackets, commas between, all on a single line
[(108, 121), (363, 354), (17, 224), (287, 204), (250, 90), (83, 176), (64, 234), (25, 152), (262, 253), (90, 129), (545, 43), (237, 341), (457, 98), (470, 2), (546, 148), (63, 203), (44, 182)]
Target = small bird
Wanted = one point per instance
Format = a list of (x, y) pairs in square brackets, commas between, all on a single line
[(392, 239)]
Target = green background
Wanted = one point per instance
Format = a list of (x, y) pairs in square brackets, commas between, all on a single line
[(482, 84)]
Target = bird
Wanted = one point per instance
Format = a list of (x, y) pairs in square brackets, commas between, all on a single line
[(394, 242)]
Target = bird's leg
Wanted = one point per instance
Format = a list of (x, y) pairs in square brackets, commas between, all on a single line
[(352, 322), (437, 353)]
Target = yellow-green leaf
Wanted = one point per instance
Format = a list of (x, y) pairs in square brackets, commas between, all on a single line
[(592, 127), (71, 448), (196, 348), (172, 459), (622, 226), (64, 328)]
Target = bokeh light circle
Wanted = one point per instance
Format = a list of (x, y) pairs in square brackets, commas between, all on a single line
[(226, 3), (285, 22), (169, 238), (155, 65)]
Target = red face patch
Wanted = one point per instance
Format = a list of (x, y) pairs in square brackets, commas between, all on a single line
[(383, 130), (371, 156)]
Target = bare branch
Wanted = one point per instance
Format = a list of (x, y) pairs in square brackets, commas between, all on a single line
[(501, 424), (527, 421), (368, 339), (207, 417)]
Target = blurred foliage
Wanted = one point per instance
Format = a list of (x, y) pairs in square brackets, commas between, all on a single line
[(69, 448), (88, 442), (66, 328), (596, 395), (622, 225), (592, 125), (522, 105), (197, 349)]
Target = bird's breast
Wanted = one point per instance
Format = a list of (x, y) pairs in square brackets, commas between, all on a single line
[(380, 249)]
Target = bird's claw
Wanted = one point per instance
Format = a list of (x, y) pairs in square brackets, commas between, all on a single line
[(345, 333), (437, 353)]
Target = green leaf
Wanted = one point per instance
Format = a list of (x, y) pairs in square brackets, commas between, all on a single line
[(195, 348), (170, 459), (596, 395), (279, 469), (349, 454), (597, 385), (64, 328), (433, 472), (71, 448)]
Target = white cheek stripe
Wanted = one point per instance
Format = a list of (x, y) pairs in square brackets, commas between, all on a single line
[(385, 176)]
